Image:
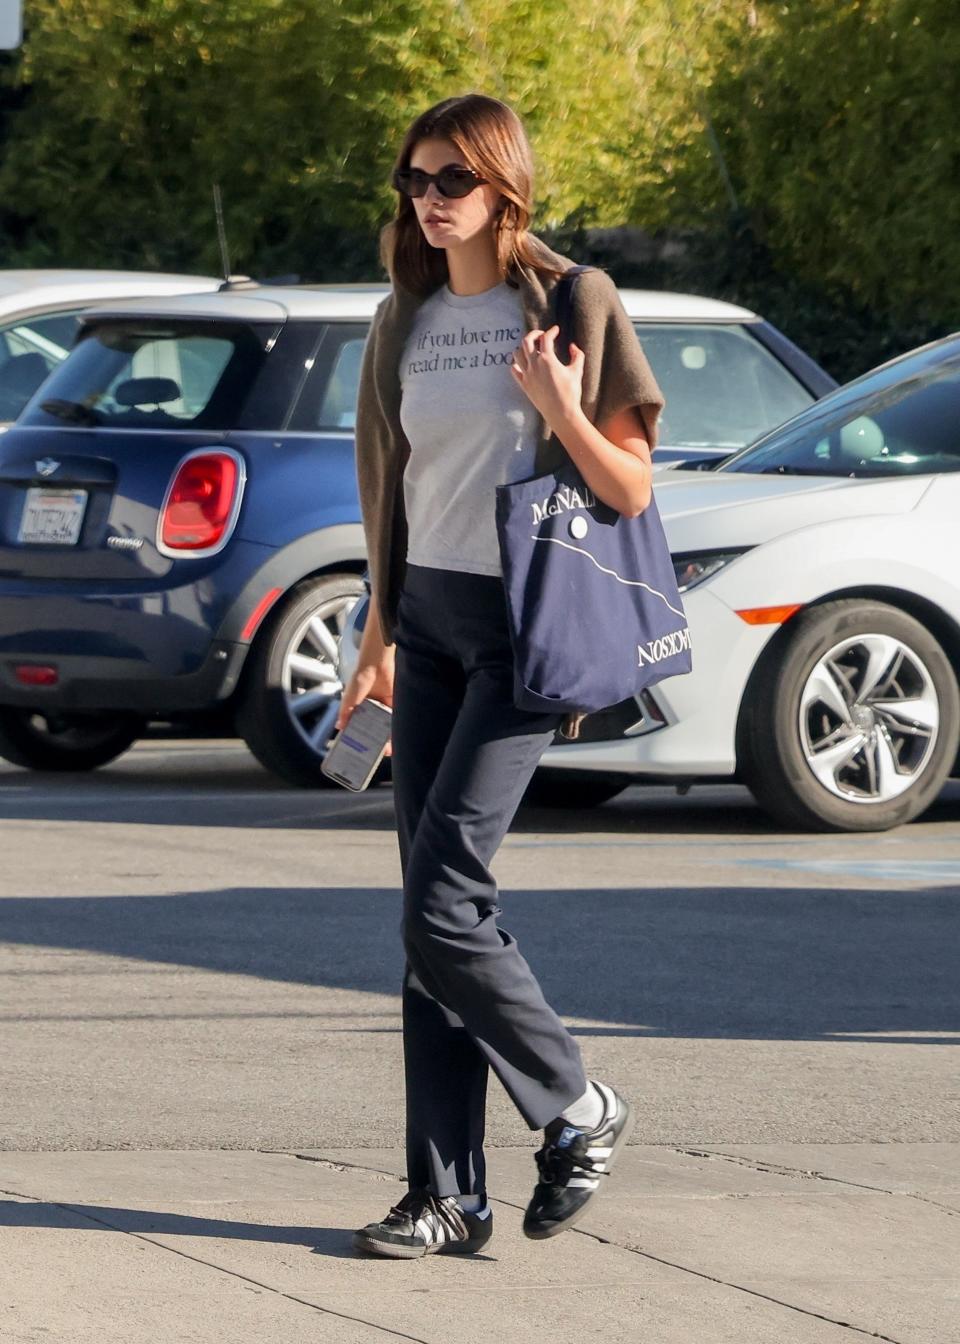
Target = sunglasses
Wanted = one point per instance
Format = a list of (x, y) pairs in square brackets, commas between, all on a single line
[(452, 181)]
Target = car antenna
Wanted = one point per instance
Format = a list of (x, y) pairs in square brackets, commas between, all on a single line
[(229, 281)]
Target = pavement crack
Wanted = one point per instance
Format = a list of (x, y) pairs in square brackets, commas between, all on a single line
[(713, 1278), (811, 1174), (212, 1264), (753, 1292), (673, 1264), (329, 1164)]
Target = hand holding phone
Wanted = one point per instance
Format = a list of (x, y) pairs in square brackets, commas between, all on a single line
[(359, 747)]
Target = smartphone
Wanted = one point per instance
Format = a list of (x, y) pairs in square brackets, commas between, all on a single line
[(358, 748)]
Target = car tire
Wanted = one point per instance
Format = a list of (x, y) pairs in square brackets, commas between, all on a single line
[(291, 688), (573, 788), (65, 742), (851, 720)]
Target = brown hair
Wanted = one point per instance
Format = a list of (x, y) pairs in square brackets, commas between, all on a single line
[(491, 138)]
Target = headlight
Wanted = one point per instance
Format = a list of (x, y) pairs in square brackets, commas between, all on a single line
[(693, 569)]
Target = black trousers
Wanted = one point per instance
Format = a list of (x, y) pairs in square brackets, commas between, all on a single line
[(463, 756)]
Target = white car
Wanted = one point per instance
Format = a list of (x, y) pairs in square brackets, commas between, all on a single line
[(40, 313), (727, 375), (820, 569)]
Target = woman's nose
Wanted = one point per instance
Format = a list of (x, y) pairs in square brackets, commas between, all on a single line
[(432, 193)]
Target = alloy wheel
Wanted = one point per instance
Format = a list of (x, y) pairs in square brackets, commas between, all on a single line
[(311, 677), (869, 718)]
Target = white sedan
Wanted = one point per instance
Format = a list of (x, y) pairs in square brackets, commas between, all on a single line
[(821, 576)]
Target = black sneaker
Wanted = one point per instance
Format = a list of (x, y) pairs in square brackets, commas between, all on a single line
[(425, 1224), (572, 1165)]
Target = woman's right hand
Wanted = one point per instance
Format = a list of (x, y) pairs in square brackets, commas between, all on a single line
[(373, 680), (373, 677)]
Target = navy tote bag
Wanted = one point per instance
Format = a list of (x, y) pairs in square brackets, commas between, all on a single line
[(594, 611)]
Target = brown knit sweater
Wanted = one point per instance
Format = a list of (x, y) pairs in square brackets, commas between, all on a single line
[(616, 375)]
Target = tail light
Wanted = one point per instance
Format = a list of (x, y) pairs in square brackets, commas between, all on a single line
[(202, 504), (36, 674)]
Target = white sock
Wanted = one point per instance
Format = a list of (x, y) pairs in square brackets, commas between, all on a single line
[(473, 1204), (587, 1111)]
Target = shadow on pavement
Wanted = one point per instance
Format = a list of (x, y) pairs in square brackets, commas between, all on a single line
[(750, 962), (187, 791), (328, 1241)]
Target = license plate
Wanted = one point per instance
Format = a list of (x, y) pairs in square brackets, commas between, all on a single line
[(52, 517)]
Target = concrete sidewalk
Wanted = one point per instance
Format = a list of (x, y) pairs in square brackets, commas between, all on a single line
[(760, 1245)]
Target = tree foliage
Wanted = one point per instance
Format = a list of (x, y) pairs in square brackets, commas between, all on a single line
[(136, 108), (803, 155), (839, 121), (133, 108), (607, 92)]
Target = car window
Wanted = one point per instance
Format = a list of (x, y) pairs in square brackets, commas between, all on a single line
[(29, 349), (908, 429), (723, 389), (154, 374), (329, 398)]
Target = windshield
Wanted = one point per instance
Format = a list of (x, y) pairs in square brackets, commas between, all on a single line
[(153, 374), (723, 389), (909, 428)]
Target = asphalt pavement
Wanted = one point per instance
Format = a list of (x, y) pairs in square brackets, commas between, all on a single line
[(200, 1074)]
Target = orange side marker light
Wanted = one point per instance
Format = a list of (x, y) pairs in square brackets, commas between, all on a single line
[(258, 613), (769, 615)]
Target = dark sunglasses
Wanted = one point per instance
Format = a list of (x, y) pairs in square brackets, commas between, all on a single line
[(453, 181)]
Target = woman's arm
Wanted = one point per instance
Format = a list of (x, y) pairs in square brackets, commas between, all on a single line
[(613, 459), (374, 673)]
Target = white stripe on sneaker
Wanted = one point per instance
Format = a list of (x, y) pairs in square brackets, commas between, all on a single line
[(431, 1228), (599, 1153)]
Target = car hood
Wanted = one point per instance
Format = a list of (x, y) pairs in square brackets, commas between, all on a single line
[(707, 511)]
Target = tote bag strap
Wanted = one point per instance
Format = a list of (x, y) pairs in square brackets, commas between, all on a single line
[(563, 310), (551, 454)]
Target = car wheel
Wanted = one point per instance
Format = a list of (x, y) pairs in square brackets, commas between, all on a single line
[(44, 741), (851, 720), (292, 682), (572, 788)]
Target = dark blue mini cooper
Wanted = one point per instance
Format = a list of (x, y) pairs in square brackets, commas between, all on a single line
[(180, 537)]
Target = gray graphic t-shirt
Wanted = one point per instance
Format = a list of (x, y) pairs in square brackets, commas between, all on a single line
[(470, 426)]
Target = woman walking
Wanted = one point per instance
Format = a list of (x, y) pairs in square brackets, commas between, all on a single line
[(461, 391)]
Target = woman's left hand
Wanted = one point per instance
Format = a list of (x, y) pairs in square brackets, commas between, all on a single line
[(554, 388)]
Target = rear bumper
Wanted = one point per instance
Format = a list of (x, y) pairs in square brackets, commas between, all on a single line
[(126, 684), (154, 650), (157, 647)]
